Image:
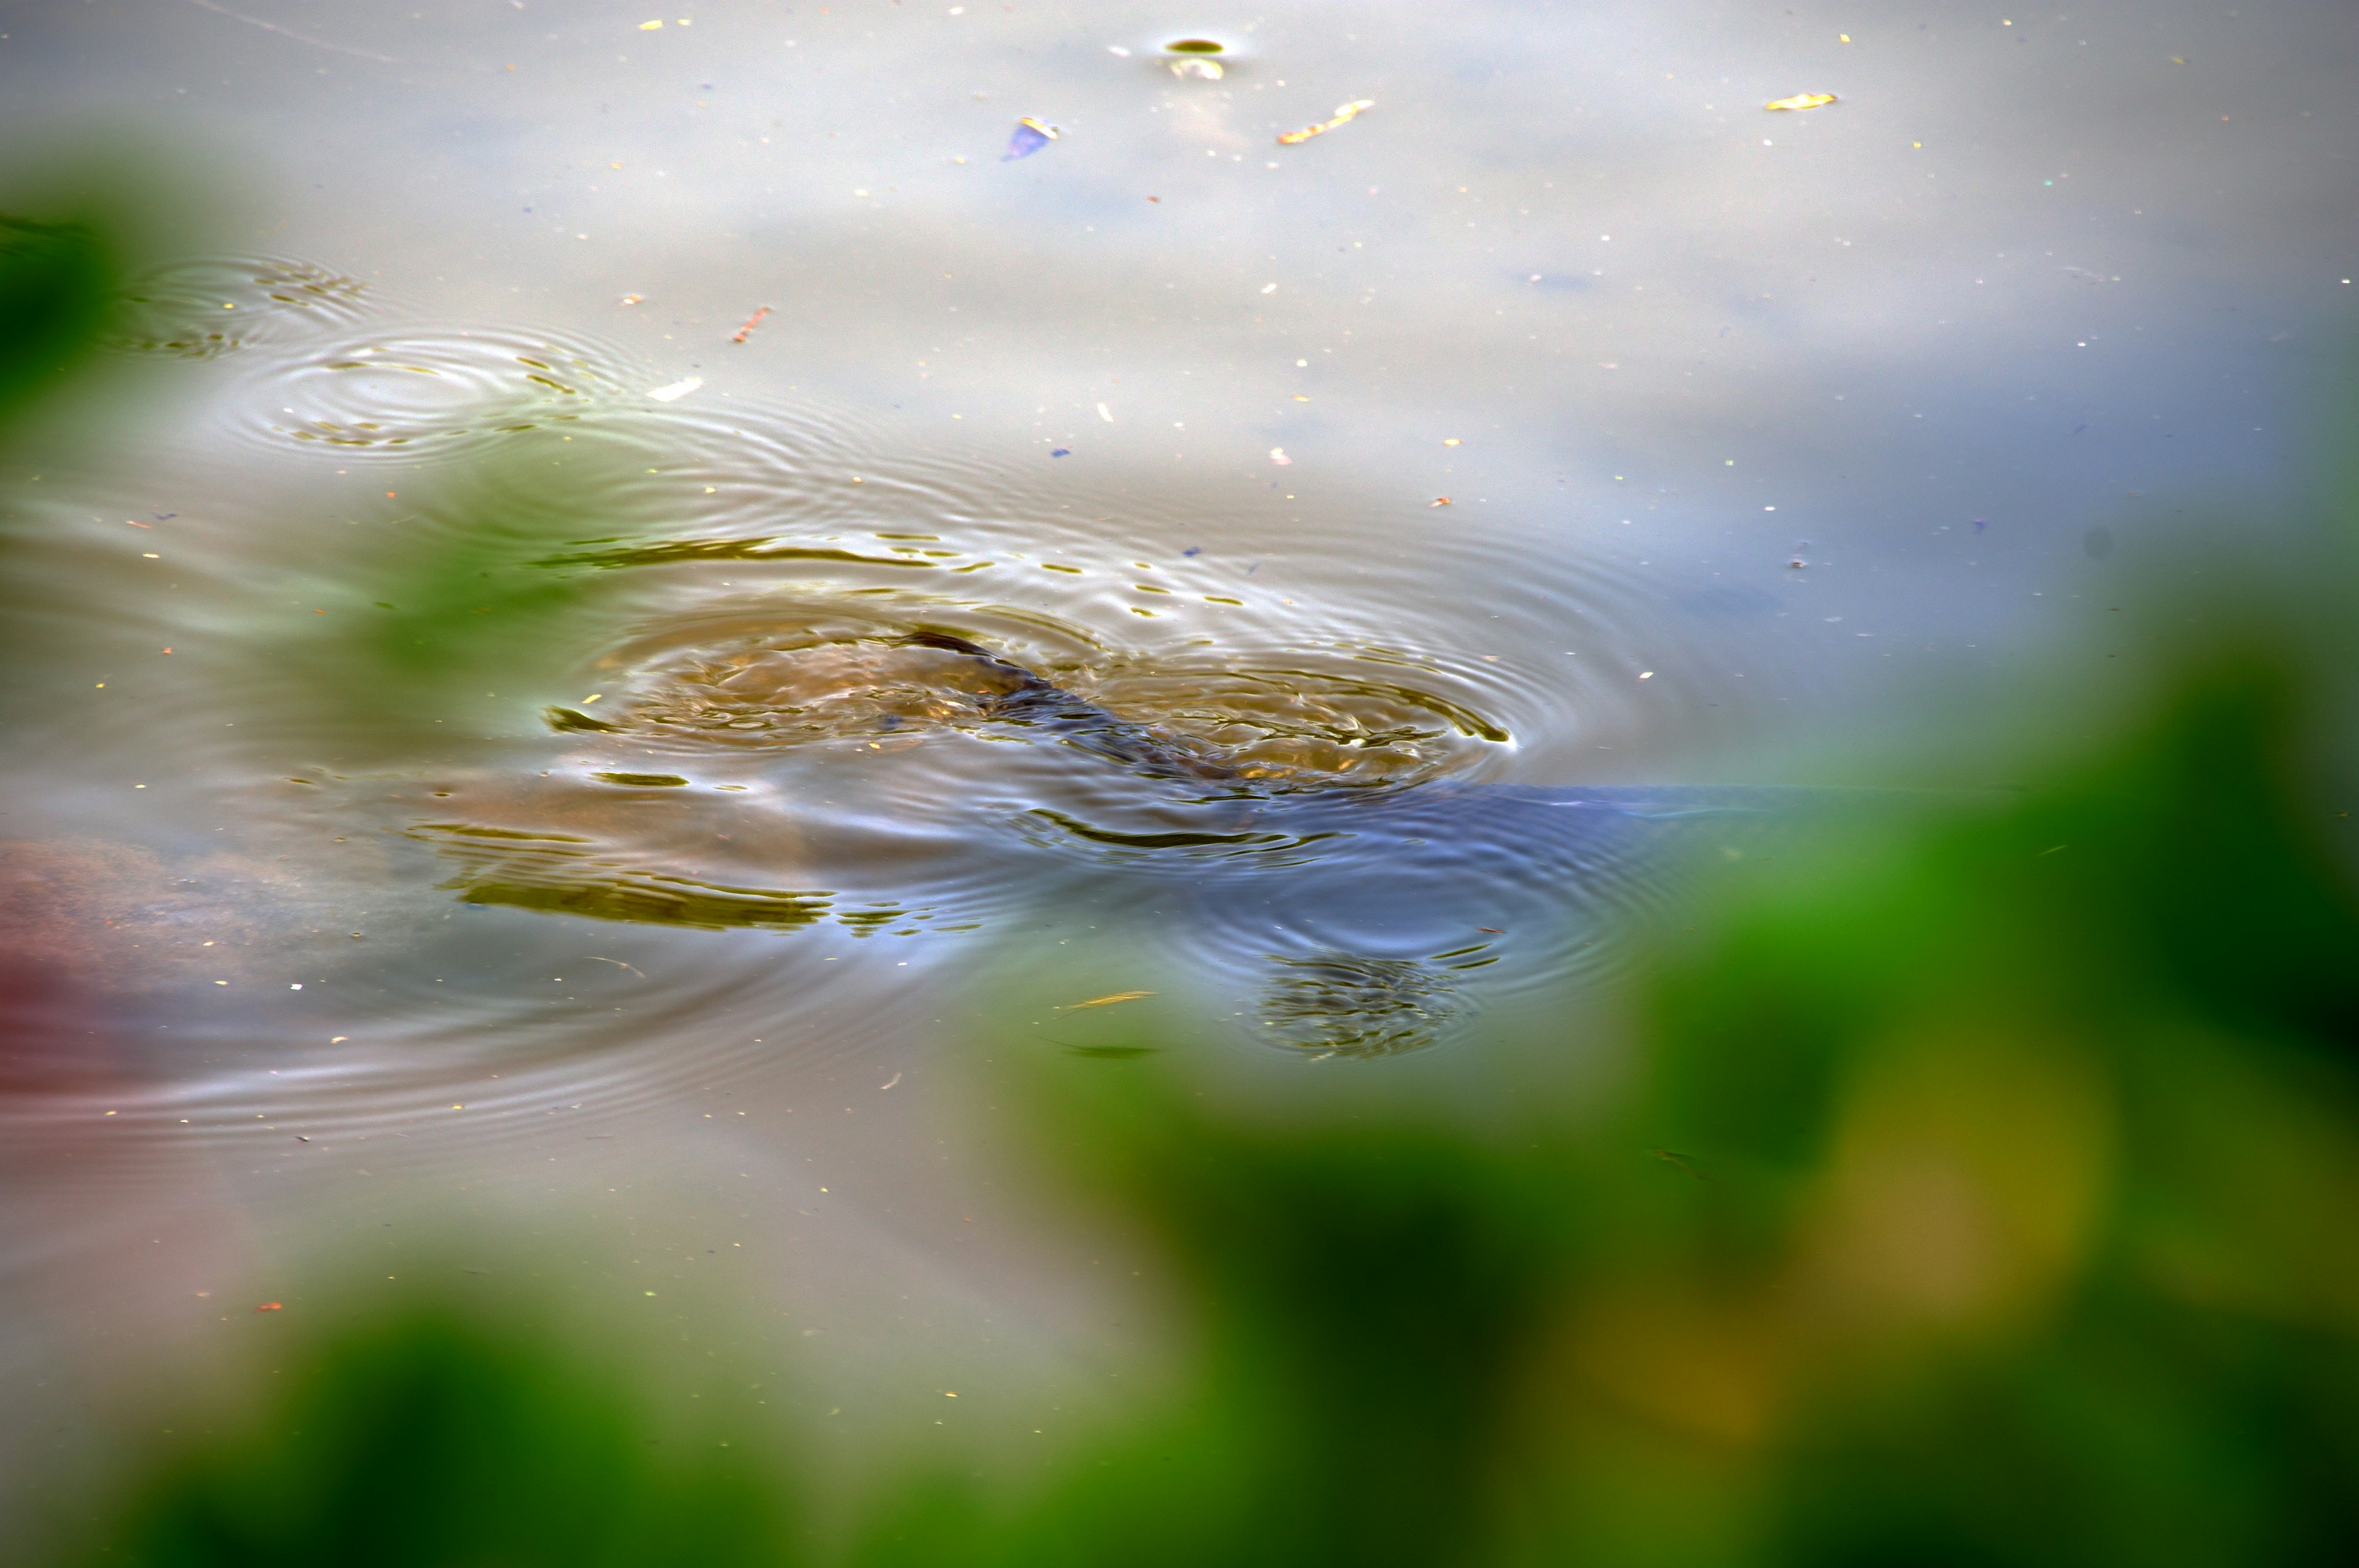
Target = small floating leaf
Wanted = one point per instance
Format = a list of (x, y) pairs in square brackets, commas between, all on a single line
[(1105, 1001), (1802, 100)]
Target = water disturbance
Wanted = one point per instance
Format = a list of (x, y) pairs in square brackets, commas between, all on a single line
[(629, 579)]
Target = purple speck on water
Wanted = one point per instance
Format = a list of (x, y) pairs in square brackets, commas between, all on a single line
[(1193, 550), (1030, 136), (1062, 452), (1979, 524)]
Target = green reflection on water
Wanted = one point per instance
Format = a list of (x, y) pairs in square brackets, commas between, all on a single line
[(675, 552), (440, 1437), (655, 900), (58, 285), (1978, 1193), (1981, 1195), (513, 868)]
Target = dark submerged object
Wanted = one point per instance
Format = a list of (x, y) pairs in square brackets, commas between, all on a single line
[(1031, 698), (1364, 903), (1313, 868)]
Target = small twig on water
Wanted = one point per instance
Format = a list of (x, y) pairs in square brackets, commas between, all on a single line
[(289, 33)]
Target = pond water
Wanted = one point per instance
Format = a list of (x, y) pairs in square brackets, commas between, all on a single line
[(648, 564)]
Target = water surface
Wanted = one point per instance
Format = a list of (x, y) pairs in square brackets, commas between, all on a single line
[(489, 733)]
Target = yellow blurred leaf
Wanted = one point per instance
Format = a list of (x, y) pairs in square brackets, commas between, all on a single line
[(1103, 1001), (1802, 100)]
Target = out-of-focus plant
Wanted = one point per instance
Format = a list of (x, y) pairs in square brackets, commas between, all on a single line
[(430, 1439), (1978, 1194), (58, 284), (80, 216)]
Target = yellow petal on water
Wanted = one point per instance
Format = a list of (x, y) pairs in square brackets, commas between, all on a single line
[(1103, 1001), (650, 26), (1802, 100), (1344, 113)]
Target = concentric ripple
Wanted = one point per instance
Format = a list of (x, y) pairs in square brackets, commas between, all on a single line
[(416, 395), (1344, 1004), (204, 308)]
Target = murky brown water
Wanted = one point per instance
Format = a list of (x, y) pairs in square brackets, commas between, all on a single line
[(498, 739)]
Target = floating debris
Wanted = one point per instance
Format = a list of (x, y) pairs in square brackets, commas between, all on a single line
[(1278, 455), (1030, 136), (1802, 100), (1105, 1001), (677, 390), (1192, 60), (1439, 501), (751, 322), (1343, 113)]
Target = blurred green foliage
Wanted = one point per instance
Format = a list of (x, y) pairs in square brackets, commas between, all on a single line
[(57, 287), (434, 1440), (1978, 1195)]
